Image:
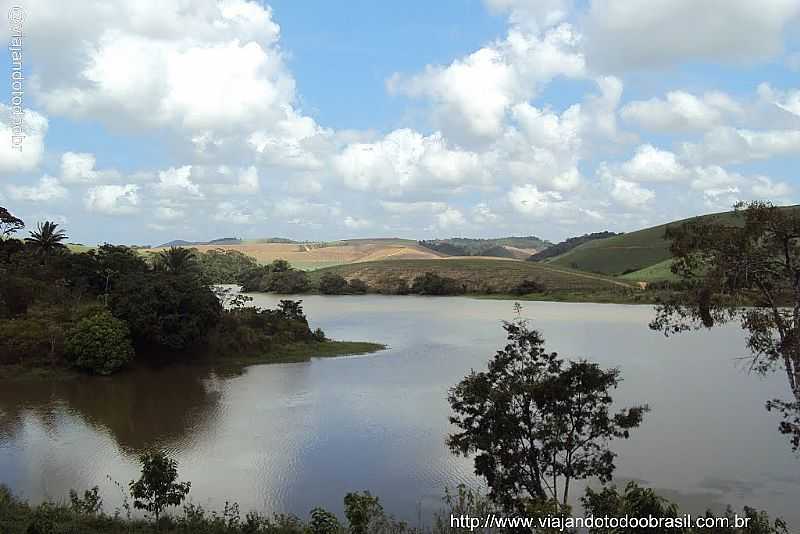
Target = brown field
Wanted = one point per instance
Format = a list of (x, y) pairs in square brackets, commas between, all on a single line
[(312, 256)]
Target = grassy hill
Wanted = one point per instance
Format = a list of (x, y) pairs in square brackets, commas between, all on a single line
[(477, 275), (500, 247), (645, 251)]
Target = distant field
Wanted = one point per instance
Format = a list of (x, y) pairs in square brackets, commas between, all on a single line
[(654, 273), (311, 256), (479, 275)]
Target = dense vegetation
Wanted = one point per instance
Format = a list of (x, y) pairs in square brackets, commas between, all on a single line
[(99, 310), (568, 244), (461, 246)]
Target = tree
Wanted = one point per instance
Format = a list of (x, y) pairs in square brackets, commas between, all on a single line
[(744, 268), (332, 284), (47, 238), (99, 343), (157, 488), (533, 420), (178, 260), (8, 223)]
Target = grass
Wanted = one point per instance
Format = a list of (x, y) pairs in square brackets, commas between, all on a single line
[(301, 352), (478, 275), (654, 273), (634, 251)]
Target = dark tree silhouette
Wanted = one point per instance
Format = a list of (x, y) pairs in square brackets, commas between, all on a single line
[(47, 238), (744, 268), (8, 223), (535, 422), (178, 260)]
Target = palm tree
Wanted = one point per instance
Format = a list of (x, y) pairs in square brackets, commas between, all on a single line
[(47, 238), (177, 260)]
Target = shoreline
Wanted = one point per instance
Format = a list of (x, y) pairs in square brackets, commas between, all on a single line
[(291, 353)]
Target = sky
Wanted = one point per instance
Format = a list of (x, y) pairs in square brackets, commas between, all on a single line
[(147, 121)]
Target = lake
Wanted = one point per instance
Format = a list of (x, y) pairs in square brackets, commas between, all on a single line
[(289, 437)]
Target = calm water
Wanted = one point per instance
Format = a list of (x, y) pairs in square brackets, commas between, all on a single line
[(290, 437)]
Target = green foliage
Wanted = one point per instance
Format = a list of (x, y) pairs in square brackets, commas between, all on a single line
[(433, 284), (99, 343), (636, 501), (47, 238), (177, 260), (173, 312), (357, 286), (220, 266), (532, 420), (90, 504), (332, 284), (743, 268), (529, 286), (27, 341), (323, 522), (8, 223), (277, 277), (158, 486)]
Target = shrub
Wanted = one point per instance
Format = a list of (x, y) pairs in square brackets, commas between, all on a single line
[(433, 284), (528, 286), (358, 286), (99, 343), (29, 340), (332, 284)]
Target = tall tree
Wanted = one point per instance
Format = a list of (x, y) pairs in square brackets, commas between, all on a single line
[(536, 422), (178, 260), (47, 238), (744, 268), (8, 223)]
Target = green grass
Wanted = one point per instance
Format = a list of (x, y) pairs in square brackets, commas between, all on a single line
[(654, 273), (301, 352), (629, 252), (478, 275)]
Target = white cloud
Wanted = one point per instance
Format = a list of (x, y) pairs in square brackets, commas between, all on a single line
[(354, 223), (651, 164), (409, 208), (176, 182), (403, 160), (529, 200), (113, 199), (34, 126), (630, 194), (629, 34), (767, 189), (472, 95), (532, 14), (785, 100), (47, 189), (79, 168), (482, 214), (729, 145), (450, 218), (230, 212), (681, 111)]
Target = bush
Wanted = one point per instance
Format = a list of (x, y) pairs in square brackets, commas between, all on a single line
[(358, 286), (99, 343), (29, 340), (433, 284), (528, 286), (332, 284)]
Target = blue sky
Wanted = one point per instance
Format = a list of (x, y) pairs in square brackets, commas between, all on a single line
[(323, 120)]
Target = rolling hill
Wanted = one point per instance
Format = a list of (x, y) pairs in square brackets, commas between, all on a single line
[(644, 251), (485, 275)]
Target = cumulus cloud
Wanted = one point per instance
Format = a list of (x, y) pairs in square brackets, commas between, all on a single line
[(449, 218), (474, 93), (681, 111), (47, 189), (405, 159), (651, 164), (79, 168), (355, 223), (34, 126), (177, 182), (530, 201), (113, 199), (730, 145), (631, 34)]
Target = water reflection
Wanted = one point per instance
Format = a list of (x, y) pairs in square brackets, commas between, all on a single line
[(140, 409), (290, 437)]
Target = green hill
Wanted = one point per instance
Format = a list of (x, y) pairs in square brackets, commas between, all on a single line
[(477, 275), (627, 253)]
